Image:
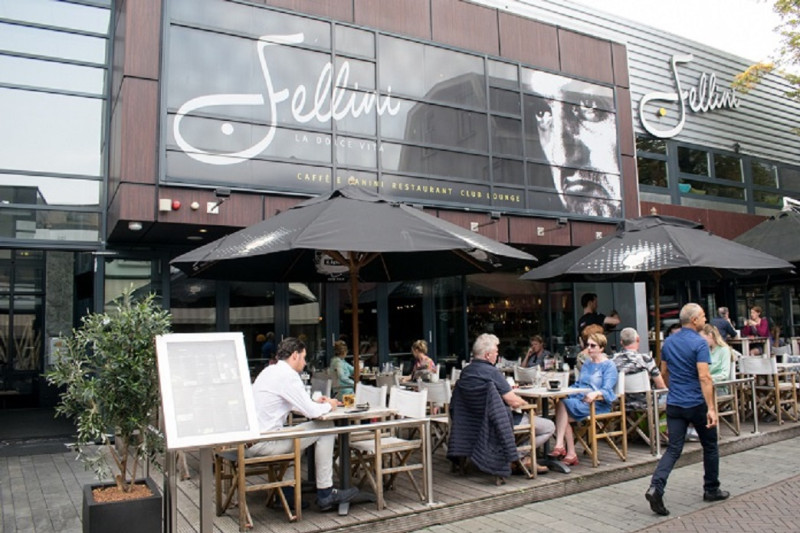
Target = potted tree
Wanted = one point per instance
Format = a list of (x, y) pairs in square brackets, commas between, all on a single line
[(107, 369)]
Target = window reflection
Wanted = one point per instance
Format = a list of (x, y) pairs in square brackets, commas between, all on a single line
[(728, 167), (790, 178), (27, 224), (19, 189), (692, 161), (51, 75), (61, 14), (50, 43), (652, 172), (764, 174), (55, 133), (354, 41)]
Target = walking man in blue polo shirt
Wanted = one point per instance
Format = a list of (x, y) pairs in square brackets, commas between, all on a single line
[(686, 358)]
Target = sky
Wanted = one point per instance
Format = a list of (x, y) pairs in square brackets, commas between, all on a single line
[(741, 27)]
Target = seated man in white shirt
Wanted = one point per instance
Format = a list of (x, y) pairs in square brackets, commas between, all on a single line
[(279, 390)]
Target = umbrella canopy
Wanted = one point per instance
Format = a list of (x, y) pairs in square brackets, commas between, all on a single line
[(354, 234), (778, 235), (656, 247)]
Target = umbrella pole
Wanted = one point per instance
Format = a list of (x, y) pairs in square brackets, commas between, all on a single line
[(354, 299), (657, 303)]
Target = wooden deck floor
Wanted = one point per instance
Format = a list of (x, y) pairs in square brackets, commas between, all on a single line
[(456, 496)]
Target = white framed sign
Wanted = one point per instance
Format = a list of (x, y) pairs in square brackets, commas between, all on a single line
[(206, 393)]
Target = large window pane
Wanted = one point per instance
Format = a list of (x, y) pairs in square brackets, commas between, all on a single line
[(713, 189), (728, 168), (764, 174), (506, 136), (652, 172), (354, 41), (790, 178), (434, 162), (50, 132), (49, 43), (772, 198), (692, 161), (434, 124), (52, 13), (27, 224), (654, 146), (51, 75), (18, 189)]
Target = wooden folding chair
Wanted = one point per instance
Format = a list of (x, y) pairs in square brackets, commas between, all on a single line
[(776, 392), (380, 460), (609, 427), (232, 470)]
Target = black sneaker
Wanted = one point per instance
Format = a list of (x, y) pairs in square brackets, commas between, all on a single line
[(335, 498), (716, 495), (656, 499)]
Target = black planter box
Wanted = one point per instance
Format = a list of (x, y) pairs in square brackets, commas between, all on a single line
[(130, 516)]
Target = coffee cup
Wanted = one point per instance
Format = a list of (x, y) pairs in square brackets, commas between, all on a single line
[(554, 384), (349, 400)]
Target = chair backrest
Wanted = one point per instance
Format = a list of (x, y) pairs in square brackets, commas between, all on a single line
[(637, 382), (455, 373), (619, 388), (374, 396), (408, 403), (758, 366), (321, 384), (561, 376), (526, 375), (387, 380), (783, 352), (439, 393)]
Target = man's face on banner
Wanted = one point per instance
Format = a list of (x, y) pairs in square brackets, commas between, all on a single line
[(578, 137)]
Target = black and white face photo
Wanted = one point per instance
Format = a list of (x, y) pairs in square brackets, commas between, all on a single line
[(577, 133)]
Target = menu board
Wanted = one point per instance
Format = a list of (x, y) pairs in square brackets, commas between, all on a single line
[(206, 393)]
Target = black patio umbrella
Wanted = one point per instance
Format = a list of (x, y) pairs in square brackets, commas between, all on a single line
[(657, 247), (350, 233), (778, 235)]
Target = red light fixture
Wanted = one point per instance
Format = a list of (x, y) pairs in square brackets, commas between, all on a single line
[(176, 204)]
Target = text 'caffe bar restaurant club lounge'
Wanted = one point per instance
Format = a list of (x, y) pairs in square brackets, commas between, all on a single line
[(134, 131)]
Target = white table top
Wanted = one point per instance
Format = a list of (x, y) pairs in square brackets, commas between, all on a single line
[(542, 392), (352, 413)]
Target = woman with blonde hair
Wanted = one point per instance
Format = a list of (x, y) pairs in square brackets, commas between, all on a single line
[(423, 365), (720, 367)]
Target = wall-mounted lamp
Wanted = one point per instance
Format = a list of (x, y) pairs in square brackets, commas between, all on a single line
[(135, 226), (561, 222), (222, 194), (737, 147), (495, 215)]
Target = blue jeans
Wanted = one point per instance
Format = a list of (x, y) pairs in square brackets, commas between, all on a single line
[(678, 419)]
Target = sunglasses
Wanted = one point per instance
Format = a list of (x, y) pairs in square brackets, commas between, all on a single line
[(592, 345)]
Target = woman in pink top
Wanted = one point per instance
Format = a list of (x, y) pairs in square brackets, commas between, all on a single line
[(756, 326)]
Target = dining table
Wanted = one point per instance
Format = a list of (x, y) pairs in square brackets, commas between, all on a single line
[(547, 395), (344, 416)]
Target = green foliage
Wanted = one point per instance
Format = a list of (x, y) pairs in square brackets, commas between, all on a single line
[(110, 378), (788, 56)]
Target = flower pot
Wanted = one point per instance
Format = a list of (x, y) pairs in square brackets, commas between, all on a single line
[(129, 516)]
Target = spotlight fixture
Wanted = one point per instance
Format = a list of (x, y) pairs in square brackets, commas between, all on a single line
[(135, 226)]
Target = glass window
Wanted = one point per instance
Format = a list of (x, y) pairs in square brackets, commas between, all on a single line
[(503, 74), (447, 76), (508, 171), (506, 136), (652, 172), (437, 125), (356, 152), (692, 161), (764, 174), (653, 146), (51, 75), (790, 178), (352, 74), (55, 133), (355, 42), (50, 43), (29, 271), (415, 159), (306, 318), (772, 198), (40, 190), (503, 101), (728, 167), (61, 14), (30, 224)]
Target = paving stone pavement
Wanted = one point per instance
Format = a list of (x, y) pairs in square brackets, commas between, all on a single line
[(763, 482)]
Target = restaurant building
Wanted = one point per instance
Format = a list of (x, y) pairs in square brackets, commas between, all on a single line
[(136, 130)]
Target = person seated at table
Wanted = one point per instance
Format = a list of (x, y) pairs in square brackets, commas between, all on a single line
[(470, 396), (584, 337), (720, 366), (536, 353), (724, 324), (775, 339), (631, 361), (342, 369), (756, 326), (424, 367), (279, 390), (598, 374)]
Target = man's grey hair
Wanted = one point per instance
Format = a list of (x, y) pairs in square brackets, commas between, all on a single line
[(628, 336), (688, 312), (484, 343), (723, 312)]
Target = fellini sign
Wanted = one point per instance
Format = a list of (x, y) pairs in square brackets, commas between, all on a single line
[(705, 96)]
